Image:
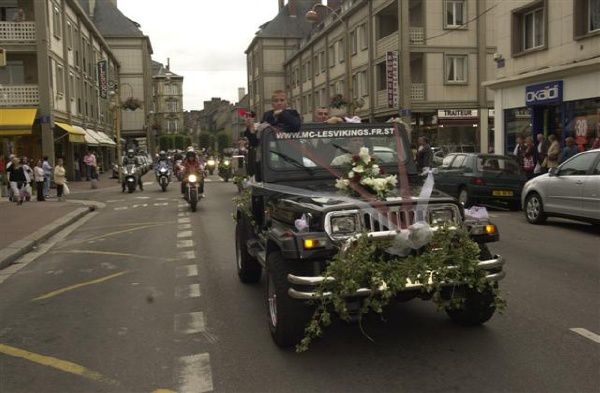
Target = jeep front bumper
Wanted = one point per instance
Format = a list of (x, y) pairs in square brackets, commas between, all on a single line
[(493, 266)]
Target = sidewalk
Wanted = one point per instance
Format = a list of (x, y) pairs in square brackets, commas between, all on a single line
[(103, 182), (31, 223)]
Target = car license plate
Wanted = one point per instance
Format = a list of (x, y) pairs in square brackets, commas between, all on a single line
[(502, 193)]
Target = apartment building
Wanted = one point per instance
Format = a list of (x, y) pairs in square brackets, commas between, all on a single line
[(167, 115), (54, 97), (547, 72), (422, 59)]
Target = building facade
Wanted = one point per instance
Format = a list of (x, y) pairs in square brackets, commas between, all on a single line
[(547, 77), (54, 97), (167, 115), (421, 59)]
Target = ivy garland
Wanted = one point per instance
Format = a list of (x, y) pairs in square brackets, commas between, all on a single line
[(243, 202), (365, 264)]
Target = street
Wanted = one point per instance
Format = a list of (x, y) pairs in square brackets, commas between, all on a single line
[(143, 296)]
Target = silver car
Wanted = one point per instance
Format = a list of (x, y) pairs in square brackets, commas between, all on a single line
[(571, 191)]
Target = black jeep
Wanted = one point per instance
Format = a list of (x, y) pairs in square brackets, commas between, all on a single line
[(294, 180)]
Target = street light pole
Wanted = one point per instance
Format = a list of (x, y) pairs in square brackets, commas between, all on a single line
[(117, 96)]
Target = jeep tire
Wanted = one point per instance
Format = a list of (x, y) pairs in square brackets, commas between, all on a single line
[(287, 317), (248, 268), (478, 308)]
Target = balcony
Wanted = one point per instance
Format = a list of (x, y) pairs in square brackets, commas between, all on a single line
[(416, 35), (19, 95), (417, 91), (17, 32)]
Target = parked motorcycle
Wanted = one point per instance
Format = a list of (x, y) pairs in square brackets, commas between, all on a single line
[(210, 165), (163, 175), (225, 170), (192, 195), (130, 178)]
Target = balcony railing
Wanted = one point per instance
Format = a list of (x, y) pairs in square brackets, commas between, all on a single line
[(17, 31), (20, 95), (416, 35), (417, 91)]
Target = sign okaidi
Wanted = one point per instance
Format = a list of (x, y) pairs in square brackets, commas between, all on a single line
[(544, 93)]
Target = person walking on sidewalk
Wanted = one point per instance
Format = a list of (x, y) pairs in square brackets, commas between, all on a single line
[(17, 179), (90, 163), (39, 177), (60, 179), (47, 176), (77, 167), (2, 176)]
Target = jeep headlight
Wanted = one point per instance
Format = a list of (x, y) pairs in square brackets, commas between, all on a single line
[(342, 225), (442, 216)]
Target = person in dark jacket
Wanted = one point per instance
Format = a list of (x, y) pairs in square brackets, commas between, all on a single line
[(424, 154), (569, 150)]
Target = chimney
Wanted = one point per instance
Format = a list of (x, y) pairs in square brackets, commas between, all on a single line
[(168, 64), (241, 93), (334, 4), (292, 8), (280, 5)]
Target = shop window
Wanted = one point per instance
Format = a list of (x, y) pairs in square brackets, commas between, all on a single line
[(456, 13), (529, 28), (456, 69), (586, 17)]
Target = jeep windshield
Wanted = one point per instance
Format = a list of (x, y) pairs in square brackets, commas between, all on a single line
[(330, 148)]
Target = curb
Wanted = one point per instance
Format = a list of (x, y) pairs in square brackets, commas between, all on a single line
[(14, 251)]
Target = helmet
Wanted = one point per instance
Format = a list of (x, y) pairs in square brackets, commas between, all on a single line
[(190, 154), (130, 153), (162, 155)]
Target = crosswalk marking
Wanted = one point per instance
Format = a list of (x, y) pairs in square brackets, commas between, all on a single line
[(183, 220), (187, 291), (190, 323), (184, 234), (587, 334), (144, 197), (115, 200), (186, 270), (183, 214), (193, 374), (187, 255), (162, 204), (185, 243), (184, 226), (121, 208), (140, 205)]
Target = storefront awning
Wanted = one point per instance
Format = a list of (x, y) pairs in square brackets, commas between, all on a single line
[(101, 141), (16, 121), (75, 136), (89, 139), (106, 138)]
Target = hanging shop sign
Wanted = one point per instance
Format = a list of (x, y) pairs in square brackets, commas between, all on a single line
[(103, 78), (457, 113), (391, 67), (544, 93)]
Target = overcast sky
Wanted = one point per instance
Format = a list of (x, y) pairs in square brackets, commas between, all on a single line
[(205, 40)]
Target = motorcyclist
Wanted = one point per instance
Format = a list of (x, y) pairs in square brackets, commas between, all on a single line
[(162, 160), (131, 159), (192, 165)]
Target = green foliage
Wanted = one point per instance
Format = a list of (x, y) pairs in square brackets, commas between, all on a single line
[(365, 264), (205, 140), (244, 202), (223, 141), (176, 141)]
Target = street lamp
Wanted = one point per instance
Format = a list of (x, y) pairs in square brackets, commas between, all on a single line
[(116, 97), (313, 16)]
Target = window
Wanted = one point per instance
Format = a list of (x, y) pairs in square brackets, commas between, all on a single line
[(596, 170), (56, 22), (381, 76), (529, 28), (594, 15), (332, 56), (459, 162), (447, 161), (578, 166), (354, 41), (363, 37), (455, 13), (172, 105), (322, 60), (387, 21), (456, 69), (316, 68), (72, 86), (355, 87), (339, 87), (359, 85), (309, 70), (69, 36), (341, 51), (13, 73), (60, 80), (586, 17)]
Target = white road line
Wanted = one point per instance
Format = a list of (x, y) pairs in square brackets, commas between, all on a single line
[(183, 214), (162, 204), (190, 323), (187, 291), (115, 200), (142, 197), (121, 208), (140, 205), (183, 220), (185, 243), (186, 271), (193, 374), (184, 234), (162, 199), (184, 226), (587, 334), (148, 183), (187, 255)]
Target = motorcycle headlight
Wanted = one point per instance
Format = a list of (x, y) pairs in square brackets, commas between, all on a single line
[(342, 225), (192, 178), (442, 216), (163, 170), (211, 162), (226, 163)]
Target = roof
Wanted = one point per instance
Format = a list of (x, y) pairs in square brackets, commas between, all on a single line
[(156, 66), (160, 71), (111, 22)]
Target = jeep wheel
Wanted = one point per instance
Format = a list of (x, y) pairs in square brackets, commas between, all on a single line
[(287, 317), (248, 268), (478, 308), (534, 209)]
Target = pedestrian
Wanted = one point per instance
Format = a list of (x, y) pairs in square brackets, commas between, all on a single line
[(47, 176), (17, 180), (60, 179), (3, 181), (596, 143), (569, 150), (519, 150), (553, 152), (528, 160), (77, 167), (541, 155), (424, 156), (39, 177), (87, 160), (29, 178)]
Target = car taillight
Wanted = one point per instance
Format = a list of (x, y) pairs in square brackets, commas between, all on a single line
[(477, 181)]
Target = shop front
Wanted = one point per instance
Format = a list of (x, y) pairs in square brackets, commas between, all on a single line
[(457, 130), (18, 132)]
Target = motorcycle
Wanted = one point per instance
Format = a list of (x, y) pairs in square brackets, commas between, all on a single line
[(210, 165), (192, 195), (163, 175), (225, 170), (130, 180), (178, 168)]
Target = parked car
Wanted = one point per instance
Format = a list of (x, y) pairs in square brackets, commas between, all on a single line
[(571, 191), (475, 178)]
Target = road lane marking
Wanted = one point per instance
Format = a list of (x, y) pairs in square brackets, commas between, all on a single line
[(186, 270), (587, 334), (187, 291), (183, 214), (77, 286), (111, 253), (194, 374), (115, 200), (147, 183), (140, 205), (115, 233), (184, 234), (121, 208), (190, 323), (142, 197), (161, 199), (58, 364), (187, 255), (184, 226), (185, 243), (162, 204), (183, 220)]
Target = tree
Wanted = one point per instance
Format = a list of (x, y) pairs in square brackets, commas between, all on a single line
[(223, 141), (204, 140)]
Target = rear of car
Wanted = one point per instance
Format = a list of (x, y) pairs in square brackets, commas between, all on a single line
[(498, 178)]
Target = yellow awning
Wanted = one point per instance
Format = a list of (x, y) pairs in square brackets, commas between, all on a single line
[(16, 121), (75, 136)]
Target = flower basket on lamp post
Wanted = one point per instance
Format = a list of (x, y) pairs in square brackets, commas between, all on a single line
[(131, 104)]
